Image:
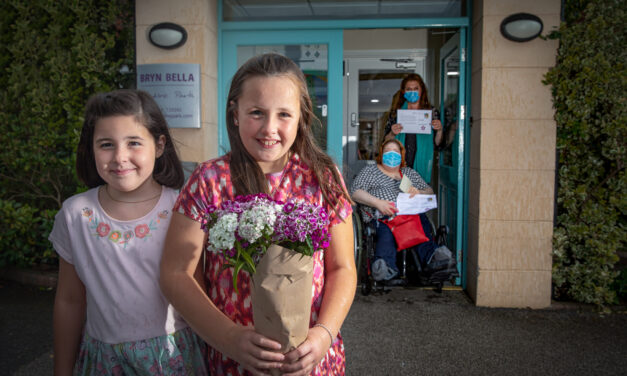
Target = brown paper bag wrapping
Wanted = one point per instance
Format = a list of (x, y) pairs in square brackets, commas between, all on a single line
[(281, 296)]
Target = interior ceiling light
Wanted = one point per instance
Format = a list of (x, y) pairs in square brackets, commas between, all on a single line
[(521, 27)]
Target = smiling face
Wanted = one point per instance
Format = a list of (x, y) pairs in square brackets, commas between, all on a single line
[(125, 153), (267, 116)]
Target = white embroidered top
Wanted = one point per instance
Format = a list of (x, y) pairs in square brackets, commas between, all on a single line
[(118, 262)]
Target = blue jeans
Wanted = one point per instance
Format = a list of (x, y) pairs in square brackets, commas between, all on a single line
[(386, 244)]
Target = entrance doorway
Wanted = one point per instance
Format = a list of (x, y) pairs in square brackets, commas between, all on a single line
[(352, 75), (370, 80), (373, 76)]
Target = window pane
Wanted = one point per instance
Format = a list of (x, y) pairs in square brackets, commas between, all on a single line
[(451, 95), (376, 89)]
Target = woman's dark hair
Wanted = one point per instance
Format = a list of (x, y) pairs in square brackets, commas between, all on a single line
[(246, 175), (379, 157), (168, 170)]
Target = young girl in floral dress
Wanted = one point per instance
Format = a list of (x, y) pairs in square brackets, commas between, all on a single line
[(269, 116), (110, 317)]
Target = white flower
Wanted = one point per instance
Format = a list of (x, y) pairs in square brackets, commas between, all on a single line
[(222, 234), (257, 221)]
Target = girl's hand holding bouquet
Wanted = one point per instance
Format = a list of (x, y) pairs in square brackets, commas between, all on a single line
[(273, 242)]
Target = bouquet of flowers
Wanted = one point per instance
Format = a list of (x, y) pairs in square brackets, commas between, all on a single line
[(243, 229), (274, 242)]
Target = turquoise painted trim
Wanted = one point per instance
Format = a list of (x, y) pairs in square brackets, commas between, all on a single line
[(347, 24), (462, 204), (467, 150), (334, 41), (335, 124), (222, 136), (449, 175)]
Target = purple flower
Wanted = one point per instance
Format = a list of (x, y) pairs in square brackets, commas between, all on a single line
[(288, 207)]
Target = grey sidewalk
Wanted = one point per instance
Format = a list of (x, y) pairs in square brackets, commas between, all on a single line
[(420, 332), (405, 332)]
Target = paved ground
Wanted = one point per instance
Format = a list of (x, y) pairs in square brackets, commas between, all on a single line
[(25, 329), (405, 332), (419, 332)]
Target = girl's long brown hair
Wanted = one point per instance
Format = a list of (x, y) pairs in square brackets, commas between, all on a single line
[(246, 175)]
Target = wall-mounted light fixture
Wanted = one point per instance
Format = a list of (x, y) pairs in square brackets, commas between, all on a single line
[(521, 27), (167, 35)]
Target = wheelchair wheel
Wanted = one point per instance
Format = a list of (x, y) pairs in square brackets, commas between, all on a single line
[(357, 243), (365, 279)]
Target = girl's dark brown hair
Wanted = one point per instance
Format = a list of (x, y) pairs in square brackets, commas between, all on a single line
[(168, 170), (398, 100), (379, 157), (246, 175)]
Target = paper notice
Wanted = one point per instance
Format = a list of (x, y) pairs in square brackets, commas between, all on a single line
[(405, 184), (415, 205), (415, 121)]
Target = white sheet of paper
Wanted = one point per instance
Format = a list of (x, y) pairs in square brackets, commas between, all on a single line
[(415, 121), (415, 205), (405, 184)]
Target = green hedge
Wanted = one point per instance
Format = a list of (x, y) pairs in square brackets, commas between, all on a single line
[(589, 83), (53, 56), (24, 235)]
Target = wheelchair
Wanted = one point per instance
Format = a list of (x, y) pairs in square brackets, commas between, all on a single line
[(421, 274)]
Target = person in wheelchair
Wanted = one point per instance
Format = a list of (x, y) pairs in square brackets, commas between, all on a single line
[(376, 188)]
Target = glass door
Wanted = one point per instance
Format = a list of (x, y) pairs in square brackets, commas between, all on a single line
[(451, 173), (319, 55), (370, 84)]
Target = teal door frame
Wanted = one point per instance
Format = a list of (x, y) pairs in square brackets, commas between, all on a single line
[(452, 178), (330, 32)]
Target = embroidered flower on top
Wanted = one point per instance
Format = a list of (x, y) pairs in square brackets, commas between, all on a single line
[(122, 236), (103, 229), (115, 236), (142, 230), (128, 235)]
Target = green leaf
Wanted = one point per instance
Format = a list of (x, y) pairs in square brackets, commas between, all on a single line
[(236, 270), (249, 262)]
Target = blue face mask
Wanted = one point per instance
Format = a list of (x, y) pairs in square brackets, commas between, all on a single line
[(391, 159), (412, 96)]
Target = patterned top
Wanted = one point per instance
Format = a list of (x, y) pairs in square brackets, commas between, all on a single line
[(381, 186), (210, 184), (118, 262)]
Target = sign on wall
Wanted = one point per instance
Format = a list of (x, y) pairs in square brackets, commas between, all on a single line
[(176, 89)]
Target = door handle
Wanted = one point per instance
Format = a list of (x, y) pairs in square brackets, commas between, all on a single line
[(354, 121)]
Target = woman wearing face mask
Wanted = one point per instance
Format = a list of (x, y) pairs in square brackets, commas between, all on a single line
[(376, 188), (413, 96)]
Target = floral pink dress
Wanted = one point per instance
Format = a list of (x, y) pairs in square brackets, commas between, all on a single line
[(210, 184)]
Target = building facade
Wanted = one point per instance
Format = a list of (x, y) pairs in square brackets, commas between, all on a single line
[(496, 178)]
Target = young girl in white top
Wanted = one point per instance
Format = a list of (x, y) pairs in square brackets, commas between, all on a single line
[(110, 316)]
